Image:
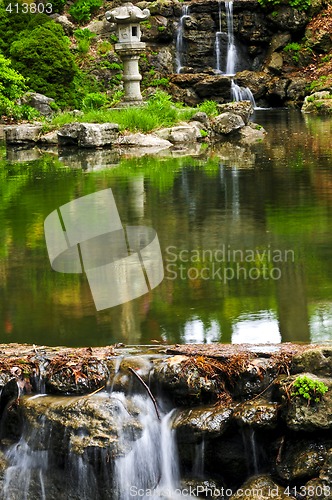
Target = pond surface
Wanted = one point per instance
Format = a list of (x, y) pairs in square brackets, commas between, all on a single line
[(245, 234)]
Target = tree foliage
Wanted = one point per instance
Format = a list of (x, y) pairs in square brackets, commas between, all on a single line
[(43, 57)]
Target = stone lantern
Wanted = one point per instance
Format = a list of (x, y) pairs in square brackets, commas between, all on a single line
[(129, 47)]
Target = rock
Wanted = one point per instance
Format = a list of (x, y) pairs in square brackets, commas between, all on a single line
[(38, 101), (279, 41), (257, 82), (100, 28), (143, 140), (296, 90), (21, 134), (68, 26), (241, 108), (183, 382), (88, 135), (49, 138), (226, 123), (71, 380), (319, 39), (218, 87), (180, 133), (260, 487), (257, 414), (124, 380), (317, 360), (275, 63), (252, 133), (276, 92), (300, 416), (210, 422), (318, 103), (289, 19), (81, 424), (201, 118), (301, 459)]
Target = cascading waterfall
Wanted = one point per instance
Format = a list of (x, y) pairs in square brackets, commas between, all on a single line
[(217, 43), (144, 462), (180, 43), (231, 48), (242, 94)]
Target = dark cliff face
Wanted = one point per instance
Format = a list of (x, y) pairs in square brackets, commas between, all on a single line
[(260, 36)]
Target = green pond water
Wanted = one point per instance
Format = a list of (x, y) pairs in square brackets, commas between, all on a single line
[(245, 234)]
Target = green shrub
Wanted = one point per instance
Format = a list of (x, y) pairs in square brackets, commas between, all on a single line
[(104, 48), (160, 82), (82, 9), (83, 37), (94, 100), (57, 6), (310, 390), (296, 4), (43, 57)]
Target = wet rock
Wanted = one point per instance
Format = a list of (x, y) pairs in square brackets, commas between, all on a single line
[(79, 424), (277, 90), (75, 379), (21, 134), (39, 102), (301, 459), (208, 422), (241, 108), (122, 379), (183, 381), (316, 488), (257, 414), (218, 87), (201, 488), (317, 360), (301, 416), (226, 123), (260, 487)]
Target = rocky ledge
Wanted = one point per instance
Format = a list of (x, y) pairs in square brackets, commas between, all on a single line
[(232, 122), (262, 411)]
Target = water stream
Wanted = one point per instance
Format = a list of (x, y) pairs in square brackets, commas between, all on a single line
[(231, 47), (180, 46)]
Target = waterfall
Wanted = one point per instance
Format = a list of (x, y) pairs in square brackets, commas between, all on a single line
[(180, 43), (242, 94), (151, 467), (141, 460), (217, 43), (231, 48)]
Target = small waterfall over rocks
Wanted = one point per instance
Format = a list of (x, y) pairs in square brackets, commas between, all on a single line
[(180, 43), (242, 94), (231, 48)]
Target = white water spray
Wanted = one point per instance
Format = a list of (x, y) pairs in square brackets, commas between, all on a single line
[(180, 44)]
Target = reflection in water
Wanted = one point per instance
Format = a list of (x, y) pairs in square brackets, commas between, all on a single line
[(271, 197)]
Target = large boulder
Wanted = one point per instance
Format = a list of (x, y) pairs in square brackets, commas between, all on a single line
[(317, 360), (144, 141), (241, 108), (226, 123), (319, 103), (88, 135), (22, 134), (38, 101), (257, 414), (180, 133)]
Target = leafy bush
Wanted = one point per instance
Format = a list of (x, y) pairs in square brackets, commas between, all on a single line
[(58, 6), (310, 390), (160, 82), (94, 100), (104, 48), (83, 37), (82, 9), (43, 57)]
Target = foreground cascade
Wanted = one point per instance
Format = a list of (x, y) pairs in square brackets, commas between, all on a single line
[(171, 422)]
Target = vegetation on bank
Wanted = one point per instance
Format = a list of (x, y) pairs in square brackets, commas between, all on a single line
[(159, 111)]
